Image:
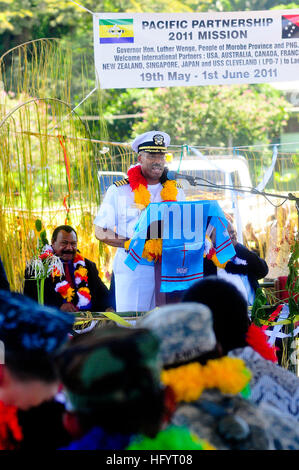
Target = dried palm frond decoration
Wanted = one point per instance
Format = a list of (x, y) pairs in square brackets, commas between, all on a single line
[(48, 169)]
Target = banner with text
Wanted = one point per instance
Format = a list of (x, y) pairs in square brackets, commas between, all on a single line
[(145, 50)]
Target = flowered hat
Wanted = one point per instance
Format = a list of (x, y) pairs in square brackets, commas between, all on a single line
[(151, 142), (109, 367), (26, 326), (185, 331)]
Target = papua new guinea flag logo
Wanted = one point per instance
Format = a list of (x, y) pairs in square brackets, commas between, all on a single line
[(116, 31), (290, 26)]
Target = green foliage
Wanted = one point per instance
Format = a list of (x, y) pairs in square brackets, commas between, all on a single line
[(289, 6), (38, 225), (258, 311), (261, 311), (292, 284), (215, 115), (243, 5), (43, 238), (24, 20), (116, 103)]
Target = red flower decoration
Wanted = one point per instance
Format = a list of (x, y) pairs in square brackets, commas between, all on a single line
[(170, 404), (46, 255), (63, 289), (77, 258), (257, 339), (56, 273), (211, 253), (273, 316), (10, 429), (85, 292), (136, 178)]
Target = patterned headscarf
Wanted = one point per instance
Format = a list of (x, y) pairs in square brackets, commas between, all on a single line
[(26, 326), (185, 331)]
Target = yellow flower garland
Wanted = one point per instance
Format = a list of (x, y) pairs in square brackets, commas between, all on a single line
[(70, 294), (229, 375), (142, 196), (169, 191), (152, 249), (82, 271)]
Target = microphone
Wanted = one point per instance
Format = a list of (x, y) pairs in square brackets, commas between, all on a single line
[(174, 175)]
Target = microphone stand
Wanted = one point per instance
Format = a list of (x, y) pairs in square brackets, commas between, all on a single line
[(194, 181)]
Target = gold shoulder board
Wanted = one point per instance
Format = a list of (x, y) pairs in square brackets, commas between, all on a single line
[(121, 182)]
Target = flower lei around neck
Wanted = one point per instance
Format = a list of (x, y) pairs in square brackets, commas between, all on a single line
[(258, 340), (229, 375), (80, 296), (10, 430), (171, 438), (152, 248)]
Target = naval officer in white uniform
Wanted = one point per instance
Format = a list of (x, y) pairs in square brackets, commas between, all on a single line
[(117, 218)]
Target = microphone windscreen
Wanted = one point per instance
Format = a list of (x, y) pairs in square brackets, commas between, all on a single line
[(171, 175)]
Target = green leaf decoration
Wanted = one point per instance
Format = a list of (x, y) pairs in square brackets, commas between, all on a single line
[(43, 238), (38, 225), (257, 307)]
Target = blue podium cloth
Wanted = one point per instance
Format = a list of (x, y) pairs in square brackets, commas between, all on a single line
[(183, 232)]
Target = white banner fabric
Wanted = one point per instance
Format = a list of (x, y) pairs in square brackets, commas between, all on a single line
[(145, 50)]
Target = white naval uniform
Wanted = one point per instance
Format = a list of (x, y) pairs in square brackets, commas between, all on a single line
[(134, 290)]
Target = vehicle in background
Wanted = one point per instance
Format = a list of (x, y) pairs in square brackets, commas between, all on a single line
[(224, 170), (106, 178)]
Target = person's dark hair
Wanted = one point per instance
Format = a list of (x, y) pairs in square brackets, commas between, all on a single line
[(163, 177), (140, 416), (229, 309), (28, 366), (131, 399), (66, 228)]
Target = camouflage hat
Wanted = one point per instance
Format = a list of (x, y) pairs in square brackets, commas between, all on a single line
[(185, 331), (109, 366)]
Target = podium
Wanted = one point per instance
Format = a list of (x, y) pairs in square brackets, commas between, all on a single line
[(182, 227)]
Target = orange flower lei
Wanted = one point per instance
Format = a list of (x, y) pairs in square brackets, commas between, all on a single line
[(188, 382), (142, 196), (81, 294)]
